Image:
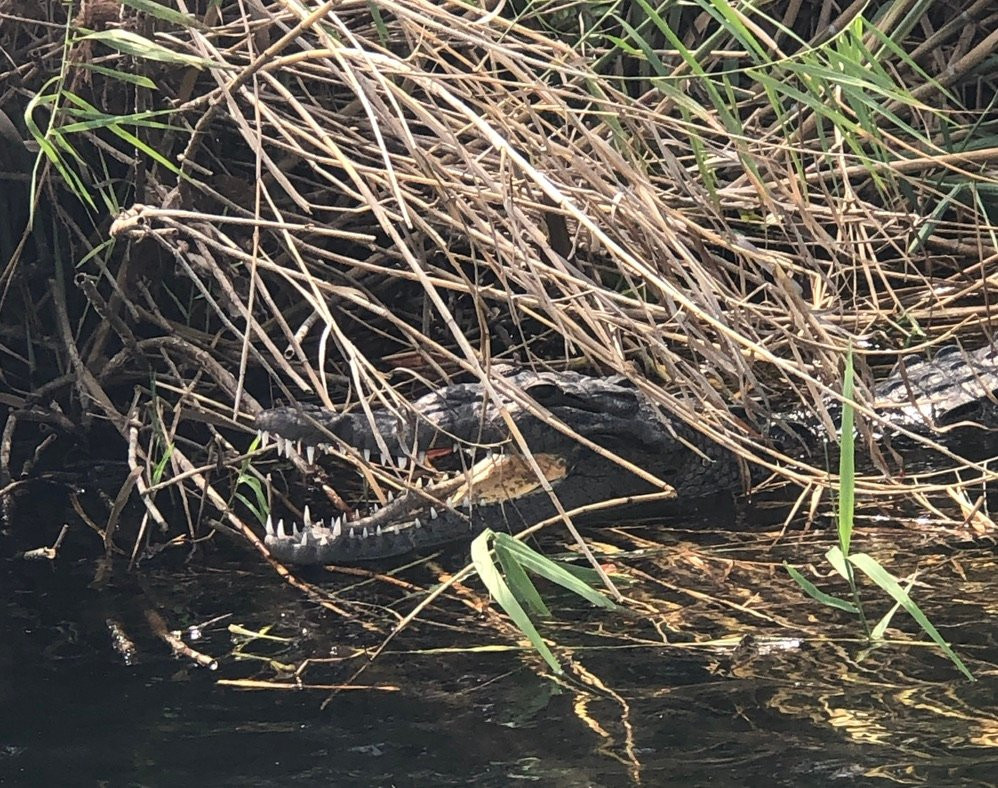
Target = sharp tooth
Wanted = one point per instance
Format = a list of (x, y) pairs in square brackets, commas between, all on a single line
[(377, 531), (419, 482), (264, 439), (488, 454), (280, 529), (391, 496), (455, 448), (385, 459), (269, 525), (304, 538), (367, 455), (352, 534), (298, 446), (416, 523), (421, 458), (308, 517), (337, 527), (280, 445), (433, 513), (401, 461), (310, 453), (295, 532), (364, 532)]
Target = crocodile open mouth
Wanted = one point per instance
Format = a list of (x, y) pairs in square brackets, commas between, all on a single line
[(421, 500)]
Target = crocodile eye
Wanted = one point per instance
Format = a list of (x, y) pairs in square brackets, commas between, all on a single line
[(545, 393)]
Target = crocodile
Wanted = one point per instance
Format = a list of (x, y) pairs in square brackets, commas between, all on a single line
[(451, 466)]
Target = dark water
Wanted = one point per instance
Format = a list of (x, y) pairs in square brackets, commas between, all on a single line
[(800, 701)]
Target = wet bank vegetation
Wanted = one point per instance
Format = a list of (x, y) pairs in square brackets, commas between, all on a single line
[(210, 207)]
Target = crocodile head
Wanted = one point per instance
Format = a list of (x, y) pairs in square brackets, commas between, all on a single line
[(449, 467)]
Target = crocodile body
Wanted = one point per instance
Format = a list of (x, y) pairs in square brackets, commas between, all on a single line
[(450, 468)]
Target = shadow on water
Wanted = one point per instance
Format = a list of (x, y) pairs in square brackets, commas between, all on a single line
[(718, 671)]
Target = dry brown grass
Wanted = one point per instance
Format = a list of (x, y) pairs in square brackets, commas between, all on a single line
[(364, 201)]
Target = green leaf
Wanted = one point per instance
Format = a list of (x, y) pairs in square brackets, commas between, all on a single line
[(732, 23), (138, 46), (520, 583), (590, 576), (877, 633), (551, 570), (260, 506), (816, 593), (834, 556), (872, 569), (260, 514), (50, 142), (160, 467), (139, 80), (165, 13), (481, 559)]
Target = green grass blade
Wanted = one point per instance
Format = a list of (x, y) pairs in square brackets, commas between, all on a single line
[(591, 577), (260, 514), (731, 22), (872, 569), (731, 122), (551, 570), (835, 557), (167, 14), (816, 593), (877, 633), (258, 504), (160, 467), (139, 80), (50, 143), (138, 46), (481, 559), (519, 582)]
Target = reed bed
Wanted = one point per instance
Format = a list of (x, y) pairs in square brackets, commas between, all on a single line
[(351, 201)]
